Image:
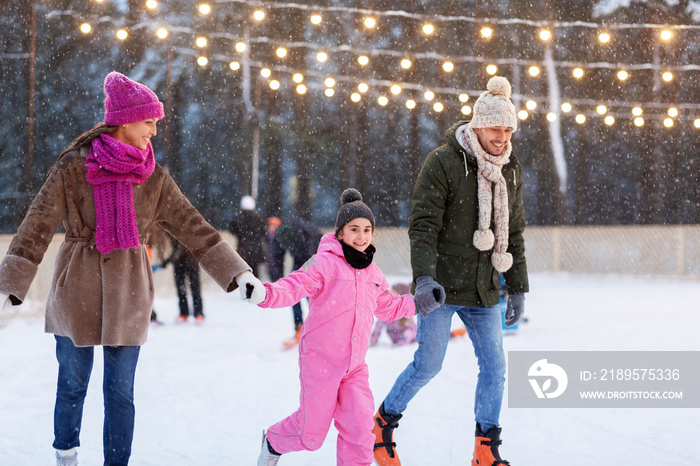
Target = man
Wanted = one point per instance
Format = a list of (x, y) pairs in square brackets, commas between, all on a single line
[(249, 229), (466, 225), (300, 238)]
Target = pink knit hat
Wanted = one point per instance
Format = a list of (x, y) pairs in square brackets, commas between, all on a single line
[(128, 101)]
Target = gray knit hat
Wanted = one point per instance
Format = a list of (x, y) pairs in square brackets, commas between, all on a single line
[(494, 108), (352, 207)]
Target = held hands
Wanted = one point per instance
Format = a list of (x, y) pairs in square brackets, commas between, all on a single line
[(429, 295), (252, 289), (515, 309)]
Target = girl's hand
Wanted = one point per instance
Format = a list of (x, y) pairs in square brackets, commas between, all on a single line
[(252, 289)]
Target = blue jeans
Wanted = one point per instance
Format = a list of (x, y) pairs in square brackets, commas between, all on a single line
[(74, 368), (484, 329)]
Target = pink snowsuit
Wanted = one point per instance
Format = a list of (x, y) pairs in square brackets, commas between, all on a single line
[(332, 348)]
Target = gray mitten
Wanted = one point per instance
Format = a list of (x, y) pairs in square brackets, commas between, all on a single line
[(429, 295), (515, 309)]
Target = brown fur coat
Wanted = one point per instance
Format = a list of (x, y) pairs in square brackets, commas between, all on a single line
[(106, 299)]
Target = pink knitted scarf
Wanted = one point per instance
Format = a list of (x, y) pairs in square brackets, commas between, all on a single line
[(112, 168)]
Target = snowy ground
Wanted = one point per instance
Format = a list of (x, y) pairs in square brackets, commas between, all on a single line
[(204, 393)]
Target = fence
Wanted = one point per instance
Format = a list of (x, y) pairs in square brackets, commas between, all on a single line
[(669, 252)]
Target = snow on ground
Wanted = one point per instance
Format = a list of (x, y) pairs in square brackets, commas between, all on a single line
[(204, 393)]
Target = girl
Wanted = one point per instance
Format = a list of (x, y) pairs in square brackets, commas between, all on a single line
[(108, 192), (345, 288)]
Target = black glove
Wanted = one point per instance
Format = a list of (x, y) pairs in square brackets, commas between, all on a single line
[(429, 295), (515, 309)]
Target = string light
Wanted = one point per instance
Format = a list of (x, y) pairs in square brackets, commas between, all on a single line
[(673, 112), (322, 57), (428, 29), (362, 87), (274, 84), (551, 117), (577, 73), (363, 60), (466, 110), (396, 89), (534, 71), (297, 77), (492, 69), (609, 120), (580, 118), (316, 19), (370, 22), (240, 47), (438, 107), (429, 95), (301, 89), (202, 61), (258, 15), (406, 63), (204, 9), (601, 109), (410, 104), (463, 98), (151, 4), (668, 122), (486, 32), (639, 122), (637, 111), (329, 92), (85, 28), (622, 75), (448, 66), (667, 76), (281, 52), (665, 35), (604, 37), (265, 72), (234, 65), (162, 33), (382, 101), (329, 82), (566, 107), (355, 97), (545, 35), (122, 34), (522, 114), (697, 123), (531, 105), (201, 42)]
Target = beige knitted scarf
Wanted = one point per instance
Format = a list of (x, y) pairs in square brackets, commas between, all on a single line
[(492, 195)]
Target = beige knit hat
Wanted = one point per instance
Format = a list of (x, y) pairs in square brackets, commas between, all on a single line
[(493, 107)]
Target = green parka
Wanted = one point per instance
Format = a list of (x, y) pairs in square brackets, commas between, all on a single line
[(444, 216)]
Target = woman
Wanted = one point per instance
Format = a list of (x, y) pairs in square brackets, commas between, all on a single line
[(108, 192)]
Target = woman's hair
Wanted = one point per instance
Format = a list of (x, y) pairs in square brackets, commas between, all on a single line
[(85, 138)]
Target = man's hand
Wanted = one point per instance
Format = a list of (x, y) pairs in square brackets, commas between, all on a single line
[(515, 309), (252, 289), (429, 295)]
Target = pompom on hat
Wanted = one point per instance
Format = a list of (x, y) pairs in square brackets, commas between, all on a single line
[(352, 207), (128, 101), (494, 107)]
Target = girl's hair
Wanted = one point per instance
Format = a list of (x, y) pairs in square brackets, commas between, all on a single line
[(85, 138)]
